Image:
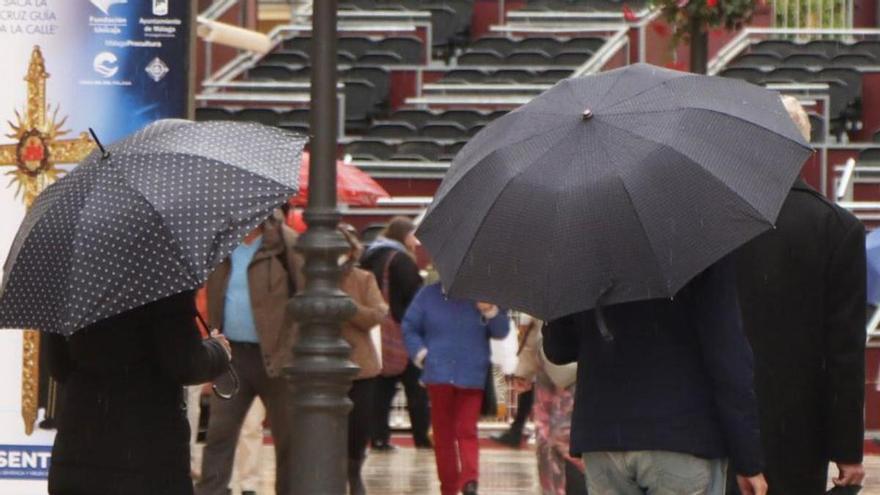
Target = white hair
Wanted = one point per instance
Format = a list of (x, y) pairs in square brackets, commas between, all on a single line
[(798, 115)]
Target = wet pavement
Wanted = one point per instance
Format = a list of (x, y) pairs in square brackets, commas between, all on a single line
[(503, 471)]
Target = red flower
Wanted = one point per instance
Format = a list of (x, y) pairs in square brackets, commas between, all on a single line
[(628, 14), (660, 28), (711, 3)]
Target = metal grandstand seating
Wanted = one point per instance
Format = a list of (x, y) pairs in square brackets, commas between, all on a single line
[(205, 114), (854, 60), (428, 150), (381, 59), (570, 59), (392, 129), (481, 58), (265, 116), (417, 117), (286, 57), (370, 150), (811, 61), (528, 58), (869, 156), (468, 118), (273, 73), (443, 130), (764, 61)]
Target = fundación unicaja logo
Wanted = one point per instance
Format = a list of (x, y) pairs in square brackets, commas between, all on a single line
[(105, 64), (105, 5)]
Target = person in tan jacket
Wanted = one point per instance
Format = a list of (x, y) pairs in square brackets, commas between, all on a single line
[(247, 299), (363, 289)]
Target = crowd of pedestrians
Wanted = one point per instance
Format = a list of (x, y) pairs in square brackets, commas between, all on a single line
[(750, 379)]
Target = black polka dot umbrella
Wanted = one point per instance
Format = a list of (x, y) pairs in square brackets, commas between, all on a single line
[(151, 218)]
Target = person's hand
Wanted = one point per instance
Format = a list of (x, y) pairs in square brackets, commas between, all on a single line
[(521, 385), (849, 474), (752, 485), (219, 337), (488, 310)]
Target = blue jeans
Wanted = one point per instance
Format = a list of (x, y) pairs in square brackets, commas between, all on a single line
[(654, 473)]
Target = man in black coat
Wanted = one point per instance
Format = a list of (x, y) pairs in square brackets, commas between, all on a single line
[(802, 294), (664, 392)]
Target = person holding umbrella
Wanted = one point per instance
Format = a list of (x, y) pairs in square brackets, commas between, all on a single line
[(608, 206), (122, 397), (107, 261)]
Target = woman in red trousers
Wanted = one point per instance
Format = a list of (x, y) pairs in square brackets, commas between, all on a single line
[(449, 339)]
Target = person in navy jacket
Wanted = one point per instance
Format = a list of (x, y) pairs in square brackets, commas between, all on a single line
[(449, 339)]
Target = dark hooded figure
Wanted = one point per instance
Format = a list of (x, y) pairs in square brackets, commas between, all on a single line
[(123, 428)]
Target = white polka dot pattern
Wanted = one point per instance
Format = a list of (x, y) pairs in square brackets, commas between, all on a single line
[(151, 220)]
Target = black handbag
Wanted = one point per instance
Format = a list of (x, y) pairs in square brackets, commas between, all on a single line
[(490, 398)]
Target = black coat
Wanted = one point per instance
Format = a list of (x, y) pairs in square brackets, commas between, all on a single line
[(802, 294), (403, 277), (677, 375), (123, 426)]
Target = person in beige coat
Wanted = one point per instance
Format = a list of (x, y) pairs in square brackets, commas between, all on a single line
[(363, 289)]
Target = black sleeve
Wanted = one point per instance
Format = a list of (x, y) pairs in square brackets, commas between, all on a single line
[(182, 353), (845, 347), (561, 339), (60, 364), (729, 361), (405, 283)]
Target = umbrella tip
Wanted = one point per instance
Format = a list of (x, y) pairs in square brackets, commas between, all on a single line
[(104, 152), (588, 114)]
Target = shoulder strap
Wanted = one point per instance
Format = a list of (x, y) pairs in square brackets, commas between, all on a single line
[(386, 291), (283, 257)]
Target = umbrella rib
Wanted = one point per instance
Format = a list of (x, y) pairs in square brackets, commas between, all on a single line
[(711, 110), (755, 213), (637, 214)]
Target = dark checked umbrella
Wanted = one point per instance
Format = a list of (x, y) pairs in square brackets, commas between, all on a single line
[(621, 186), (151, 217)]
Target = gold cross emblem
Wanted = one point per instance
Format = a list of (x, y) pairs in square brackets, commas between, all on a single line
[(36, 151)]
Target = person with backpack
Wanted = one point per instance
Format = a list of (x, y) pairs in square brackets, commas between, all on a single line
[(247, 299), (391, 258)]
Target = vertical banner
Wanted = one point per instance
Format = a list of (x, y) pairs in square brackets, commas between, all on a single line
[(70, 65)]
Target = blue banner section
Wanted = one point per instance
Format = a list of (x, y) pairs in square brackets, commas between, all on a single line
[(25, 462), (136, 66)]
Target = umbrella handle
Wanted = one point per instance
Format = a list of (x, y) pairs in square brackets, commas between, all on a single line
[(606, 334), (235, 385)]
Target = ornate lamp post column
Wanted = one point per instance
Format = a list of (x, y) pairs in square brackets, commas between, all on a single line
[(322, 374)]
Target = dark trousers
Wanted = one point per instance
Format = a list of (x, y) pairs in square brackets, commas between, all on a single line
[(524, 403), (226, 417), (416, 404), (360, 417)]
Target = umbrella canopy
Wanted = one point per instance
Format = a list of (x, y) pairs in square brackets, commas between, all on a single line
[(353, 186), (621, 186), (872, 252), (152, 219)]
